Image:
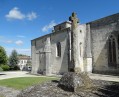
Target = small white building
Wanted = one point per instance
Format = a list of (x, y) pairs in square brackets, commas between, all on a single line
[(23, 62)]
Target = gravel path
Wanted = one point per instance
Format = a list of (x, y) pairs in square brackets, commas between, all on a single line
[(8, 92), (14, 74)]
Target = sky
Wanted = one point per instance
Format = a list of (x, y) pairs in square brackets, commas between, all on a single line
[(24, 20)]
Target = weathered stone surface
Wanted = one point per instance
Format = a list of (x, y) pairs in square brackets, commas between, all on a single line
[(70, 81), (74, 20), (8, 92), (73, 81), (74, 40), (47, 60), (100, 31), (50, 89), (84, 46)]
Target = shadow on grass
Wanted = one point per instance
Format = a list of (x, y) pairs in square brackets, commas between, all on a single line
[(55, 81), (2, 74)]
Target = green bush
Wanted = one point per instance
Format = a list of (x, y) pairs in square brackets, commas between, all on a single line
[(1, 69), (16, 67), (5, 67)]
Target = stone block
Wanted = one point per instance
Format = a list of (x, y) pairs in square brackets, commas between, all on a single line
[(74, 81)]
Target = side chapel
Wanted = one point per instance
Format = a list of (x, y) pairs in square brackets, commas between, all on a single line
[(92, 47)]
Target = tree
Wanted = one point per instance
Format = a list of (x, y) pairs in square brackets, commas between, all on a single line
[(21, 55), (13, 59), (3, 56)]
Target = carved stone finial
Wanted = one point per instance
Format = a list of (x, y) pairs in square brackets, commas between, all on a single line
[(74, 20)]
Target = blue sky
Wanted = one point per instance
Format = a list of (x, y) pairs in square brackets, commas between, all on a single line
[(23, 20)]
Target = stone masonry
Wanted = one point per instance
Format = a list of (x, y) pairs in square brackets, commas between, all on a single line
[(97, 47)]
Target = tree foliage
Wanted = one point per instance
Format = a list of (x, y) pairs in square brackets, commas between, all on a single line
[(5, 67), (13, 59), (3, 56)]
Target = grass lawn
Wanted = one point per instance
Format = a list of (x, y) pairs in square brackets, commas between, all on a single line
[(24, 82), (2, 96)]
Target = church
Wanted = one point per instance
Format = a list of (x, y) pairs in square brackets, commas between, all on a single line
[(93, 47)]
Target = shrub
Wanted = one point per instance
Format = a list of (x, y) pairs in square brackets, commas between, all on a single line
[(16, 67), (3, 56), (5, 67), (1, 69)]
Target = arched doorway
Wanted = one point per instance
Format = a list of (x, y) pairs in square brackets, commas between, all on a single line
[(112, 51)]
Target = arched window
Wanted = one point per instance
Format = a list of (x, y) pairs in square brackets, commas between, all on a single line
[(80, 48), (59, 49), (118, 42), (112, 50)]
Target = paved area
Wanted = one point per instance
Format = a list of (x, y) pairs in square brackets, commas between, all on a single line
[(104, 77), (13, 74)]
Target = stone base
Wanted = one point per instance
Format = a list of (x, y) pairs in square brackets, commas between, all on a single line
[(72, 81)]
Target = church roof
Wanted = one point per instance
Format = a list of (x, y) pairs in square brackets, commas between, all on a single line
[(96, 23), (105, 20), (55, 32)]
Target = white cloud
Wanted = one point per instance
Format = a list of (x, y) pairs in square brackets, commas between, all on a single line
[(8, 41), (4, 40), (15, 14), (32, 16), (19, 42), (21, 36), (46, 28)]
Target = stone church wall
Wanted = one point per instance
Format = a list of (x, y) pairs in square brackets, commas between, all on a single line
[(81, 46), (38, 56), (33, 54), (43, 59), (93, 45), (88, 53), (100, 31), (59, 64)]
